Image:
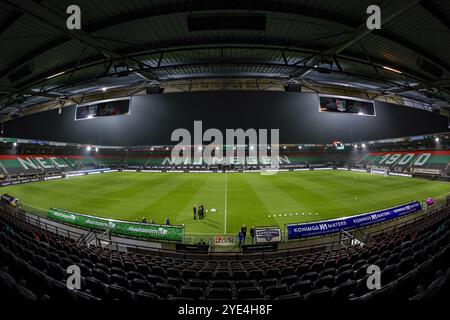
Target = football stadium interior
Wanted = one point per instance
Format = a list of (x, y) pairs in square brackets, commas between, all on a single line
[(192, 151)]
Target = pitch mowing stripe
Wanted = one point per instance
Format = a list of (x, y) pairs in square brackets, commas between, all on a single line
[(226, 202)]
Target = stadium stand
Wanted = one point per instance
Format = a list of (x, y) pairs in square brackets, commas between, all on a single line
[(420, 162), (415, 262), (431, 160)]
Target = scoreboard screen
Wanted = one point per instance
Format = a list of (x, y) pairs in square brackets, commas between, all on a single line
[(104, 108), (346, 105)]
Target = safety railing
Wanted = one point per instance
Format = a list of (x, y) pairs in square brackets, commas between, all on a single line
[(21, 216)]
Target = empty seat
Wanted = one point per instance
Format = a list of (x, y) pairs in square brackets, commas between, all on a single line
[(146, 296), (303, 287), (328, 272), (205, 274), (250, 293), (272, 273), (143, 269), (319, 294), (222, 275), (310, 276), (140, 284), (359, 263), (135, 275), (316, 266), (290, 297), (220, 293), (117, 270), (344, 267), (221, 284), (342, 291), (344, 276), (302, 269), (245, 283), (117, 292), (192, 292), (188, 274), (102, 267), (239, 275), (289, 279), (264, 283), (159, 271), (56, 272), (287, 271), (176, 281), (198, 283), (120, 280), (100, 275), (154, 279), (405, 265), (276, 290), (165, 289), (388, 274), (327, 281), (256, 274), (172, 272)]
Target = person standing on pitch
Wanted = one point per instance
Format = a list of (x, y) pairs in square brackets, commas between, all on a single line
[(201, 213), (244, 231), (195, 212), (240, 239), (167, 222), (252, 234)]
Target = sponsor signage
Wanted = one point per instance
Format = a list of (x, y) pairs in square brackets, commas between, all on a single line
[(427, 171), (267, 234), (322, 228), (14, 182), (132, 229)]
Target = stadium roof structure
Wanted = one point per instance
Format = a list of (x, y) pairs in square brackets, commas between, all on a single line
[(128, 46)]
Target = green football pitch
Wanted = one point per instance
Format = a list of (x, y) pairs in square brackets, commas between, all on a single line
[(239, 198)]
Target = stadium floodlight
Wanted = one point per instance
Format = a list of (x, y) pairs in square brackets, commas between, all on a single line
[(436, 139), (104, 89), (363, 145), (90, 116), (88, 148), (200, 148), (392, 69), (299, 147), (356, 146), (151, 149), (251, 148), (360, 113), (15, 144), (96, 149), (284, 147), (268, 147), (56, 75)]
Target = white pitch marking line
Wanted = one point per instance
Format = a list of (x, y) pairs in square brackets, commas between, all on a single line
[(226, 201)]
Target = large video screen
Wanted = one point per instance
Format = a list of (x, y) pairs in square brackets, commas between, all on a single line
[(346, 105), (103, 108)]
